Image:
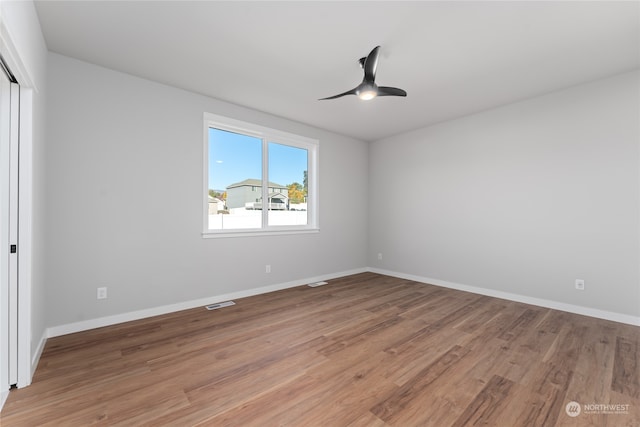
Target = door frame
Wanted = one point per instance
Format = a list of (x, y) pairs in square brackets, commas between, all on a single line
[(14, 209), (17, 64), (8, 308)]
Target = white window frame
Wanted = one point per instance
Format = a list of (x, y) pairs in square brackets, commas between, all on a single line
[(267, 135)]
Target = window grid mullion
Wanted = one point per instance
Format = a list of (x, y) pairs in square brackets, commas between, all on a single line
[(265, 183)]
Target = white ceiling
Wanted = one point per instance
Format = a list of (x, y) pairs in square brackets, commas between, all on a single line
[(453, 58)]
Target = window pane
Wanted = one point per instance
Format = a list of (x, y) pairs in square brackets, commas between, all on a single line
[(235, 173), (288, 185), (241, 159)]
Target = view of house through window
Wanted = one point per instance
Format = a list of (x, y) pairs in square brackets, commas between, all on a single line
[(258, 180), (288, 203), (231, 157)]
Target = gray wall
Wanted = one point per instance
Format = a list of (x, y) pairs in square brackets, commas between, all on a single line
[(117, 146), (521, 199)]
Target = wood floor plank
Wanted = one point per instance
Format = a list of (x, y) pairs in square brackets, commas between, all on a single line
[(478, 338), (409, 363), (628, 415), (521, 324), (489, 311), (314, 395), (447, 320), (598, 350), (535, 410), (626, 368), (535, 339), (389, 408), (365, 331), (480, 410), (343, 405), (367, 420), (364, 350), (265, 408)]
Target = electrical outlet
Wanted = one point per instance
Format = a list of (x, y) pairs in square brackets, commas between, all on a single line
[(580, 284), (267, 268), (379, 256), (102, 293)]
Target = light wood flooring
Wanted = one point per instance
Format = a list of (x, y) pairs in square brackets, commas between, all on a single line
[(364, 350)]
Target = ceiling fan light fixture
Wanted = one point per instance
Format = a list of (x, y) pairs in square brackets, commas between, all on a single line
[(367, 94), (366, 91)]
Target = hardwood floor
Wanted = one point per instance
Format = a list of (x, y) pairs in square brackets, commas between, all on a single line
[(365, 350)]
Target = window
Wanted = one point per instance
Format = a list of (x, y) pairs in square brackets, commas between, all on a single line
[(258, 180)]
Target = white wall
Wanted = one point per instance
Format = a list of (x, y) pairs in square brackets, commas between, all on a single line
[(522, 199), (118, 148), (24, 48)]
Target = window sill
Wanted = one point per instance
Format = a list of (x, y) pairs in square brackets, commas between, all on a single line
[(255, 233)]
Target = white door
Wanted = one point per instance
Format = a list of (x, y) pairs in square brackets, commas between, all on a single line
[(9, 109)]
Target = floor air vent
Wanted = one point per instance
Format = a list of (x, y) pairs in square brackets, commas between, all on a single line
[(316, 284), (220, 305)]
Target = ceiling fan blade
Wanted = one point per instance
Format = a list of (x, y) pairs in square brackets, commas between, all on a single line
[(371, 64), (390, 91), (349, 92)]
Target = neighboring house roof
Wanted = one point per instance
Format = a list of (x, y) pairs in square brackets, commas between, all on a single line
[(277, 196), (214, 200), (255, 183)]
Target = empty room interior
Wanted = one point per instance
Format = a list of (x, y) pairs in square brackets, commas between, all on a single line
[(297, 213)]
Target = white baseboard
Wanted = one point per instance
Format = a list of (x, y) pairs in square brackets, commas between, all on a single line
[(36, 355), (3, 398), (155, 311), (70, 328), (577, 309)]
